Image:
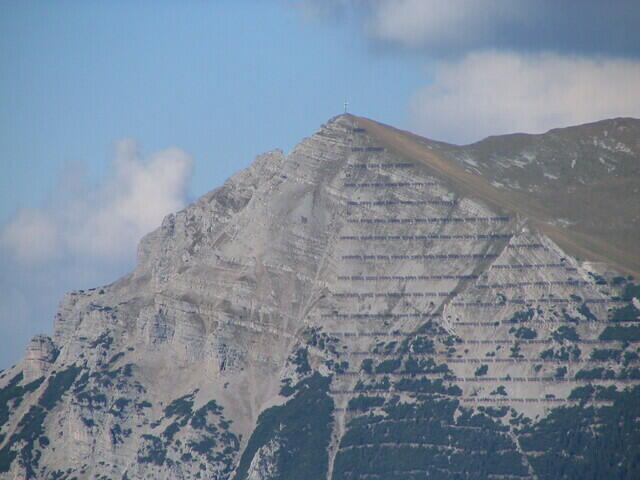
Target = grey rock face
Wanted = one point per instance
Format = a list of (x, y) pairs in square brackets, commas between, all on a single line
[(40, 355), (312, 262), (263, 464)]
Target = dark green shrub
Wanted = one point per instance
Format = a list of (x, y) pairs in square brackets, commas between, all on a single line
[(388, 366), (628, 334)]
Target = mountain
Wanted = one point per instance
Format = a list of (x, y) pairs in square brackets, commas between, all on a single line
[(373, 305), (581, 185)]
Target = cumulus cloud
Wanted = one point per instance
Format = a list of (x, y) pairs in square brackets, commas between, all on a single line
[(436, 24), (31, 236), (104, 223), (495, 92), (455, 27)]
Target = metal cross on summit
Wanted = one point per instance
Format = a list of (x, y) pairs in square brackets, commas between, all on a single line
[(346, 104)]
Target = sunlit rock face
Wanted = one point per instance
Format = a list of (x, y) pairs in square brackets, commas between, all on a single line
[(343, 311)]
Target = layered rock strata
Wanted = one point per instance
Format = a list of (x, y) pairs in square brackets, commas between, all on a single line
[(342, 312)]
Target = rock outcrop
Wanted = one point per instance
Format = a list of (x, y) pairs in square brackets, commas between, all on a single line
[(40, 354)]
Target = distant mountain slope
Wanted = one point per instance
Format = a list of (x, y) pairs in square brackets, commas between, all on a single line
[(580, 184)]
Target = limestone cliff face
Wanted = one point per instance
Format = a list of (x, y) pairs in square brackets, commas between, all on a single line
[(269, 321), (40, 354)]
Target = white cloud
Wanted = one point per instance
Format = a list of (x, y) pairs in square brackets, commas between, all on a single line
[(31, 236), (491, 93), (455, 27), (434, 23), (103, 223)]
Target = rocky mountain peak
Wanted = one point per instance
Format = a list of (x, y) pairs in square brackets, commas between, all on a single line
[(370, 305)]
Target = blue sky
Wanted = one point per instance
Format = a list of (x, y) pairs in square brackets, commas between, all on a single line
[(223, 80), (101, 99)]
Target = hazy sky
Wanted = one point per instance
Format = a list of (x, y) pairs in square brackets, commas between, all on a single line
[(116, 113)]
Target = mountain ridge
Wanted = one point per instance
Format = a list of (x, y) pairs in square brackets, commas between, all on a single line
[(413, 319), (594, 245)]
